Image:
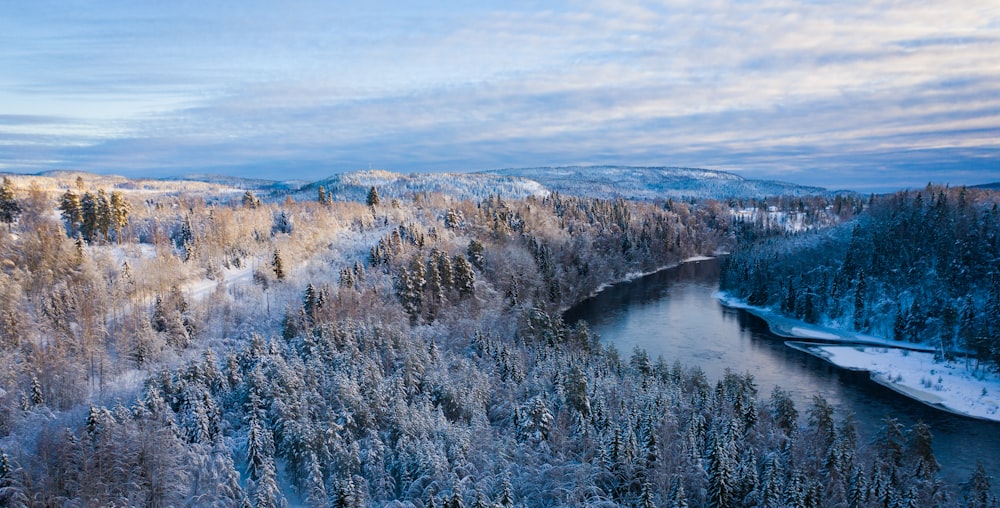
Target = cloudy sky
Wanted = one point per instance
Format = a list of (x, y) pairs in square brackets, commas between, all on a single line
[(847, 94)]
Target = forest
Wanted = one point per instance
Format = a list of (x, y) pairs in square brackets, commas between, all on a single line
[(917, 266), (194, 344)]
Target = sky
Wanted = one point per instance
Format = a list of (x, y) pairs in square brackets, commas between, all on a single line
[(865, 95)]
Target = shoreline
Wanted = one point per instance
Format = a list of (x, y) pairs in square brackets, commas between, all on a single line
[(813, 339), (791, 328), (631, 276), (925, 398)]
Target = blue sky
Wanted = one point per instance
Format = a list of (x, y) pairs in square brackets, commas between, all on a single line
[(850, 94)]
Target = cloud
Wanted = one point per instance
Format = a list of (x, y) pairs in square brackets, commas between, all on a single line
[(853, 92)]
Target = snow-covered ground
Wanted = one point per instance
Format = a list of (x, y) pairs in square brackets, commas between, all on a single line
[(944, 385), (784, 326), (907, 368)]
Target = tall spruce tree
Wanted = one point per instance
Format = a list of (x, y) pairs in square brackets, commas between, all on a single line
[(9, 208)]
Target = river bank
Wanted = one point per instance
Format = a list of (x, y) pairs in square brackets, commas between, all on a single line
[(908, 369)]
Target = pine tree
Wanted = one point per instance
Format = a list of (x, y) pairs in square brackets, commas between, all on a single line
[(250, 200), (783, 409), (9, 208), (37, 398), (646, 496), (771, 489), (475, 252), (452, 219), (446, 270), (678, 498), (72, 213), (88, 211), (278, 265), (310, 302), (12, 493), (921, 449), (103, 218), (979, 494), (721, 476), (316, 496), (372, 199), (860, 293), (455, 500), (465, 277), (506, 498), (120, 210)]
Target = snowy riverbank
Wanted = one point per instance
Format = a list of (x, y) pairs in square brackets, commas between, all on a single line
[(784, 326), (909, 369), (949, 386), (629, 277)]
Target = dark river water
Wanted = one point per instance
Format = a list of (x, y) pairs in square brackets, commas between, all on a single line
[(673, 313)]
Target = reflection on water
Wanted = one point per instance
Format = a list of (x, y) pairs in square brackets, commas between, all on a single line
[(674, 314)]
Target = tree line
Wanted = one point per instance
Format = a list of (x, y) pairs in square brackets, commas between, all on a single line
[(918, 266), (410, 353)]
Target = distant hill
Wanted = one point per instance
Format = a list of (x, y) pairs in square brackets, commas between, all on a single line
[(990, 186), (654, 182), (606, 182), (354, 186), (243, 183)]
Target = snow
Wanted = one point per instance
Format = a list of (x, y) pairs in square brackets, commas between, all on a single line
[(200, 288), (784, 326), (653, 183), (909, 369), (800, 331), (944, 385)]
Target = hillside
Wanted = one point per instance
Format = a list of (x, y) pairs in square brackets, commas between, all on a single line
[(164, 347), (647, 183), (354, 186)]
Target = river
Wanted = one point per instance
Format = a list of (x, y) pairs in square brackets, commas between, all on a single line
[(674, 313)]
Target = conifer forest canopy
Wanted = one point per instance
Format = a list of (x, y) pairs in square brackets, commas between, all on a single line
[(227, 342)]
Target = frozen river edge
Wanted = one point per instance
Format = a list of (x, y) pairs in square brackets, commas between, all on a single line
[(908, 369)]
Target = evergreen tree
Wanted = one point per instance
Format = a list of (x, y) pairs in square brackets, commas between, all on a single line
[(278, 265), (860, 293), (89, 211), (452, 219), (465, 277), (434, 290), (316, 496), (250, 200), (9, 208), (12, 493), (721, 474), (372, 199), (646, 497), (310, 302), (921, 450), (455, 500), (678, 498), (783, 409), (506, 498), (71, 211), (979, 493), (37, 398), (446, 270), (120, 209), (103, 219), (476, 253)]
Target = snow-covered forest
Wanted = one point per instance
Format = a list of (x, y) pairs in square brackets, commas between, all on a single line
[(916, 266), (195, 344)]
